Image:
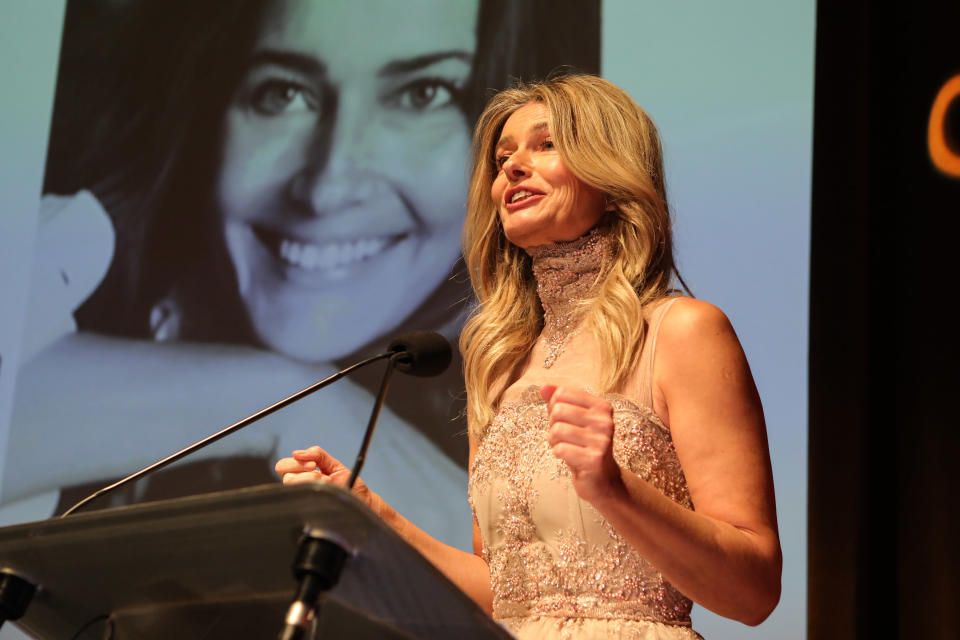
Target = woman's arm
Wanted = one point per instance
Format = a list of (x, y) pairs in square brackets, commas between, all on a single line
[(469, 571), (726, 554)]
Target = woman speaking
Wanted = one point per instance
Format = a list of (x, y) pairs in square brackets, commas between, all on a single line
[(618, 458)]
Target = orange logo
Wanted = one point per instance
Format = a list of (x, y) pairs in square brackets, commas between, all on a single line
[(945, 158)]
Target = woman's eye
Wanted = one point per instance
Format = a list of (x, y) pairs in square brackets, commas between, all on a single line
[(278, 97), (424, 95), (547, 144), (501, 160)]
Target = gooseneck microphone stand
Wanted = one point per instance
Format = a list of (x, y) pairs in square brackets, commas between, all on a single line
[(223, 433), (320, 557)]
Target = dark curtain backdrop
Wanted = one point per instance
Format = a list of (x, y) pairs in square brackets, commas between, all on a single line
[(883, 514)]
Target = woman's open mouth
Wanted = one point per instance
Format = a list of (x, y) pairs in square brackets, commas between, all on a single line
[(520, 198), (323, 257)]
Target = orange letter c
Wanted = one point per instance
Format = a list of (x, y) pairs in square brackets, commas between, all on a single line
[(944, 158)]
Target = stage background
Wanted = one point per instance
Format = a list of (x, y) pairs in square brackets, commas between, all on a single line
[(730, 87), (884, 442)]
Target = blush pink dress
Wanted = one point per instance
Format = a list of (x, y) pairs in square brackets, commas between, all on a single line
[(557, 567)]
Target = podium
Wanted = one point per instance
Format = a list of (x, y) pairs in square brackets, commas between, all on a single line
[(218, 566)]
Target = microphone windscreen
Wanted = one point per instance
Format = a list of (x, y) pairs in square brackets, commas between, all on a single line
[(425, 353)]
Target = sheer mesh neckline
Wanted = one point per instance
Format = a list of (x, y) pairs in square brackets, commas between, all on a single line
[(568, 275)]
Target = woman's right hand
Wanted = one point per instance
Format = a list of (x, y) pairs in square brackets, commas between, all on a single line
[(467, 570), (316, 465)]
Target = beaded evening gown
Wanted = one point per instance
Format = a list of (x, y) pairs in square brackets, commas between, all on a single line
[(557, 567)]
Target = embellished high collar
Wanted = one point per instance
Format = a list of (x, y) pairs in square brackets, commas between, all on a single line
[(568, 275)]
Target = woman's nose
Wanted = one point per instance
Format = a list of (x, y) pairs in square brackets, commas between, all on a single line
[(338, 168), (331, 186), (517, 166)]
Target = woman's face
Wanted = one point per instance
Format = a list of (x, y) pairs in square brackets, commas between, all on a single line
[(343, 177), (538, 199)]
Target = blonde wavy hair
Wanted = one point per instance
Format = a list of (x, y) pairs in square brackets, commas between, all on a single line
[(611, 144)]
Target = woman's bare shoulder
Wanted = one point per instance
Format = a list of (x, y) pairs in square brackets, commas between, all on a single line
[(689, 332), (691, 318), (694, 333)]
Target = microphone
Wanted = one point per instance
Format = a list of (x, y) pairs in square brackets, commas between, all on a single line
[(420, 353)]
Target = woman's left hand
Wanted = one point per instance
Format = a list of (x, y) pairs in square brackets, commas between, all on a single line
[(581, 434)]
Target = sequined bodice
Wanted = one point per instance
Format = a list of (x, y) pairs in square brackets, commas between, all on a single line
[(551, 553)]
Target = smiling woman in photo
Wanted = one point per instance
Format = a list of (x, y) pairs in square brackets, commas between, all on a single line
[(286, 181), (341, 187)]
